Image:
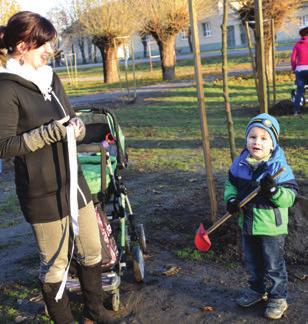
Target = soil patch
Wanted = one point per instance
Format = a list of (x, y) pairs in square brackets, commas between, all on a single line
[(197, 290)]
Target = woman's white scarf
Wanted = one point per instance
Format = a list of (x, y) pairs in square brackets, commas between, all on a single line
[(41, 77)]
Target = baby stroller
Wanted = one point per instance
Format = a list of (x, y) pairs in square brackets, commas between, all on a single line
[(102, 155)]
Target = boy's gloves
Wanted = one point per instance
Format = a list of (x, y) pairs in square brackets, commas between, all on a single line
[(79, 128), (233, 206), (53, 132), (268, 186)]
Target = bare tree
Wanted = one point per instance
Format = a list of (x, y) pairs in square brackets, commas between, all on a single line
[(7, 9), (65, 20), (144, 42), (164, 19), (276, 10), (107, 21)]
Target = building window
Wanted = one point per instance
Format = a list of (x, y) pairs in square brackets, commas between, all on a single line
[(184, 35), (206, 28), (303, 21)]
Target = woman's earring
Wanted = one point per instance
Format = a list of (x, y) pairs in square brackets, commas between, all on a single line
[(21, 61)]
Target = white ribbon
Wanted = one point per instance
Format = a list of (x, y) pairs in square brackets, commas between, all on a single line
[(74, 211), (72, 154)]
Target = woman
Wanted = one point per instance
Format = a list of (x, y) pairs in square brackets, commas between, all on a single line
[(299, 63), (35, 119)]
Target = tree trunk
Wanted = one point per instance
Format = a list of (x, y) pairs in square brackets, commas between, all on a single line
[(225, 80), (90, 52), (145, 46), (94, 54), (259, 39), (189, 38), (167, 56), (109, 56), (82, 50), (268, 61), (252, 58)]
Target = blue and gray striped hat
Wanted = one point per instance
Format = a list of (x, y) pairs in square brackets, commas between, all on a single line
[(267, 122)]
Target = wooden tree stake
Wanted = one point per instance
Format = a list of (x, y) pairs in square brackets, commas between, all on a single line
[(204, 127), (260, 57)]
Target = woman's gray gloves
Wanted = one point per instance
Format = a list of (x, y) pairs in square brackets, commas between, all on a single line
[(53, 132)]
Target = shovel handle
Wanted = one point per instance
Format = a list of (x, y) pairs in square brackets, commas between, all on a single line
[(242, 203)]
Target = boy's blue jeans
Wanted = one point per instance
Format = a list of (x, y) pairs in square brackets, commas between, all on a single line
[(301, 80), (264, 260)]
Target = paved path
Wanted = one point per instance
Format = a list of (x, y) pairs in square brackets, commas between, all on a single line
[(116, 95)]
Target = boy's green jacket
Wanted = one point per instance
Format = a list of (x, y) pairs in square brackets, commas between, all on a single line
[(262, 216)]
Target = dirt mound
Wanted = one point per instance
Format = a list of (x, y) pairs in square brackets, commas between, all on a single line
[(282, 108), (297, 244)]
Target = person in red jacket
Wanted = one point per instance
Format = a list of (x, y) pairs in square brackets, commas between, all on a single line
[(299, 63)]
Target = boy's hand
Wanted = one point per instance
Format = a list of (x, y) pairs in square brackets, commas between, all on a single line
[(233, 206), (268, 186)]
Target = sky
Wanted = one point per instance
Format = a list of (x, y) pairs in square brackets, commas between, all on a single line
[(39, 6)]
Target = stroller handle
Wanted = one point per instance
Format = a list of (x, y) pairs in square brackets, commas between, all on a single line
[(104, 111)]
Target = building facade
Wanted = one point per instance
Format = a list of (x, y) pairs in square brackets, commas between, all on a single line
[(209, 36)]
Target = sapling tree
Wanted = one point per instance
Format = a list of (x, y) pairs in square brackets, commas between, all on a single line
[(273, 10)]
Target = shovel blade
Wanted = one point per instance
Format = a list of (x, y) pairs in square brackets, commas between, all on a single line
[(202, 241)]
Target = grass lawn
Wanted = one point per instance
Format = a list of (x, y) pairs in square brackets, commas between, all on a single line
[(163, 131), (91, 78)]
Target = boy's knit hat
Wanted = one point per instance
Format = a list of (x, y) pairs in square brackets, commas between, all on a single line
[(267, 122)]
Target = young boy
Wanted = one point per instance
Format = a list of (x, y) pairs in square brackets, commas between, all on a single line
[(264, 220)]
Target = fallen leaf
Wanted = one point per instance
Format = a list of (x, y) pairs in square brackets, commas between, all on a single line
[(301, 276), (207, 309), (171, 271)]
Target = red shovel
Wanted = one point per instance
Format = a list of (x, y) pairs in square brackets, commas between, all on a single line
[(202, 241)]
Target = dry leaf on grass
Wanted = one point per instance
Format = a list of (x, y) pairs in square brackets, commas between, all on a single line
[(207, 309)]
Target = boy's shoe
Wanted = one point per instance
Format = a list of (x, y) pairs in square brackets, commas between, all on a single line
[(276, 308), (251, 297)]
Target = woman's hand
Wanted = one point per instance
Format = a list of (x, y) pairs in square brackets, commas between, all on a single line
[(79, 128)]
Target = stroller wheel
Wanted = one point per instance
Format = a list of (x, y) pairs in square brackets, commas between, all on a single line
[(138, 263), (142, 239), (116, 301)]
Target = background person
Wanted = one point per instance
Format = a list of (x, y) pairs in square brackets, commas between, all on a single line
[(299, 64), (34, 110), (264, 220)]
